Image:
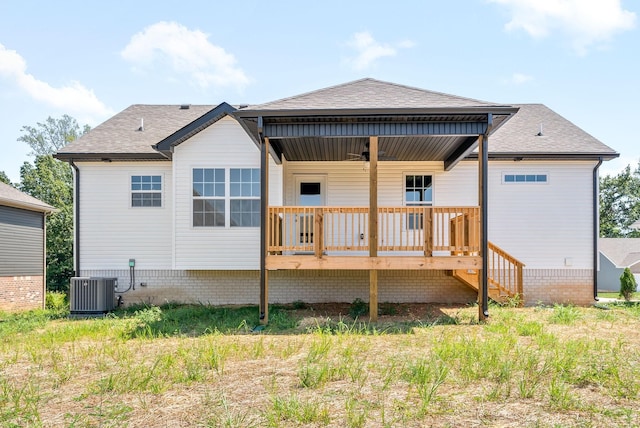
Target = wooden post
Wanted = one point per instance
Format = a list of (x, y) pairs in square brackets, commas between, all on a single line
[(428, 231), (318, 232), (264, 226), (373, 226)]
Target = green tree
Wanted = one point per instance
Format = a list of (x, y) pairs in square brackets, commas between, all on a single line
[(48, 137), (4, 178), (620, 204), (50, 180), (628, 284)]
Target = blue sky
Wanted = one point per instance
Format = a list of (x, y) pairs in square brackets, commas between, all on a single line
[(91, 60)]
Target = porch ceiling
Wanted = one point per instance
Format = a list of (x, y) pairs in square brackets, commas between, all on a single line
[(428, 136), (409, 148)]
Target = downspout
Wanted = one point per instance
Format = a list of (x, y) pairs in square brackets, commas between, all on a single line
[(44, 260), (596, 227), (76, 225)]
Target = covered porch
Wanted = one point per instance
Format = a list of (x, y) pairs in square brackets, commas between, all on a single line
[(406, 125)]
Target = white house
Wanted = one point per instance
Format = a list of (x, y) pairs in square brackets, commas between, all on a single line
[(271, 203)]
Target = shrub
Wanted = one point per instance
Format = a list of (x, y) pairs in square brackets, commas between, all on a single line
[(56, 301), (628, 284), (358, 308)]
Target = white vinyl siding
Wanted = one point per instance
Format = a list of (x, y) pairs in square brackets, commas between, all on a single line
[(225, 145), (542, 225), (111, 231)]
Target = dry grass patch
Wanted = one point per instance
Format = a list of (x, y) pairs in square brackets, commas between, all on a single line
[(421, 366)]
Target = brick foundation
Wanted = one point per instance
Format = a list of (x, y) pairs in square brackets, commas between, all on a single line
[(242, 287), (550, 286), (19, 293)]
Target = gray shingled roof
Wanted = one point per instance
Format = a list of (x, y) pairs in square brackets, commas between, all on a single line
[(370, 94), (119, 136), (12, 197), (122, 135), (623, 252), (559, 136)]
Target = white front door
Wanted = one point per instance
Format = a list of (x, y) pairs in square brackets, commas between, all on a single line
[(310, 192)]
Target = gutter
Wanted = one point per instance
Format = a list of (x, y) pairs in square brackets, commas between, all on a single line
[(76, 226), (596, 227)]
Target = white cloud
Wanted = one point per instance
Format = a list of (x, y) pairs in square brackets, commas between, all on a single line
[(585, 22), (73, 99), (520, 78), (187, 52), (368, 50)]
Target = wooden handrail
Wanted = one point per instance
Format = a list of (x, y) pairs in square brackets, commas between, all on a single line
[(423, 229), (505, 272)]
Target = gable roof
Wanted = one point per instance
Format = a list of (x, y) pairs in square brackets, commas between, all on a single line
[(12, 197), (623, 252), (130, 134), (212, 116), (369, 94), (536, 130)]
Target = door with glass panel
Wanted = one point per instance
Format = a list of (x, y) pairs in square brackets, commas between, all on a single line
[(310, 193)]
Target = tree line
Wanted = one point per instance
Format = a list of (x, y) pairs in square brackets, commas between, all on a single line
[(50, 180)]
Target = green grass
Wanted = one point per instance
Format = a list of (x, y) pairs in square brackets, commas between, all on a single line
[(609, 295), (206, 366)]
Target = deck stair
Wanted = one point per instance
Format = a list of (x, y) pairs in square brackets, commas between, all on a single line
[(505, 276)]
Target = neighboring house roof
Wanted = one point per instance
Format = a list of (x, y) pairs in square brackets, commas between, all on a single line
[(12, 197), (623, 252), (536, 130), (131, 133), (164, 126)]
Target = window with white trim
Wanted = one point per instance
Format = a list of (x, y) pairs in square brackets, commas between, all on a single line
[(418, 191), (244, 200), (208, 197), (146, 190), (525, 178)]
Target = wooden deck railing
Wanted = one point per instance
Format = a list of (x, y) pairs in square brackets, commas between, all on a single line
[(427, 230), (505, 272)]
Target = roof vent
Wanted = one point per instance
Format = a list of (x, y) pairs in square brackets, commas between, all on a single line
[(540, 134), (241, 106), (185, 106), (141, 128)]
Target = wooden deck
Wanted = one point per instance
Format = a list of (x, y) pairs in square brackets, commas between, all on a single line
[(409, 238)]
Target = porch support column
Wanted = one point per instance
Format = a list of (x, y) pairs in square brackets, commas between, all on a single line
[(264, 225), (373, 225), (483, 160)]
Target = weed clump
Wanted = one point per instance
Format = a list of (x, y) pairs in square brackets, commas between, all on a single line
[(358, 308)]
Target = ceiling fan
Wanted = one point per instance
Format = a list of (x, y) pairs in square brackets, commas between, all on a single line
[(364, 155)]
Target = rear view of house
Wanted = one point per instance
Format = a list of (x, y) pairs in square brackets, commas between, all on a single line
[(368, 190), (22, 250)]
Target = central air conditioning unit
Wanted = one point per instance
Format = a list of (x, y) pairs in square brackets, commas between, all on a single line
[(92, 295)]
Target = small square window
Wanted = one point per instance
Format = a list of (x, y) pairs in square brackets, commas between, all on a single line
[(146, 191)]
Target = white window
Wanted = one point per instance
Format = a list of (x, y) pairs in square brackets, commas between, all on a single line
[(525, 178), (146, 190), (213, 199), (245, 197), (208, 197), (418, 191)]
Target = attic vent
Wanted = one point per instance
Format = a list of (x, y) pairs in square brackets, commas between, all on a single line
[(141, 128), (540, 133), (185, 106)]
